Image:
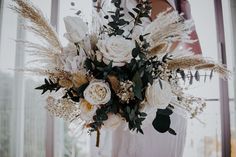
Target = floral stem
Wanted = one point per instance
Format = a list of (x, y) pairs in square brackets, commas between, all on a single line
[(98, 138)]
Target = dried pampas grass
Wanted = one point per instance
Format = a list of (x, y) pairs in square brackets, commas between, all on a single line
[(50, 48), (169, 27), (198, 63), (39, 24)]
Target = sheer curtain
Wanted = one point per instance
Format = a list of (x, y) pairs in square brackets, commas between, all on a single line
[(22, 113)]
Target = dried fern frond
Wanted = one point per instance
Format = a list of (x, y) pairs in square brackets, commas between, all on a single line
[(38, 23), (197, 63)]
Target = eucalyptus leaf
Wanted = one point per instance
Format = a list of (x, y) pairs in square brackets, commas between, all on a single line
[(137, 89)]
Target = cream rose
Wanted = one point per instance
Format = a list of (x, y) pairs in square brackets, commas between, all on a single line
[(116, 49), (76, 29), (98, 92), (157, 96)]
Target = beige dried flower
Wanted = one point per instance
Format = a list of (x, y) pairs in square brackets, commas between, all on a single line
[(66, 83), (64, 108), (125, 92), (79, 79), (159, 49), (115, 83)]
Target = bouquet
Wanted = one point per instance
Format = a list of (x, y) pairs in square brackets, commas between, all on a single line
[(121, 73)]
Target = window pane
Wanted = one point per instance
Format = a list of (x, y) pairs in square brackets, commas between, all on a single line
[(22, 113), (204, 133)]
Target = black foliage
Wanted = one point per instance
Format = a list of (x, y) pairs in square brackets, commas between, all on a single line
[(162, 121), (117, 19), (100, 70), (191, 77), (171, 131), (73, 97), (134, 117), (49, 85), (75, 94)]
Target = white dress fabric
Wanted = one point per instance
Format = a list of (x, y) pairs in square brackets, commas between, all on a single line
[(120, 142)]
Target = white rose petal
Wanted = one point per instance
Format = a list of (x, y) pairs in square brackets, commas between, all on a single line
[(97, 92), (157, 96), (98, 56), (76, 29), (116, 49), (87, 110), (112, 122), (72, 62)]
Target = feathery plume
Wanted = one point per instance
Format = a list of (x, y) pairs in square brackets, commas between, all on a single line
[(197, 62)]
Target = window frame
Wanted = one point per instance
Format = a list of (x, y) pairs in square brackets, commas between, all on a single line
[(224, 90), (1, 15), (50, 121)]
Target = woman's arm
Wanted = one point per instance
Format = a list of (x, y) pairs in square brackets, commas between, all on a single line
[(159, 6)]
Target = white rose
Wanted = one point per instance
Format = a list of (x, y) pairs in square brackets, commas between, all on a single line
[(112, 122), (87, 111), (157, 96), (97, 93), (76, 29), (116, 49)]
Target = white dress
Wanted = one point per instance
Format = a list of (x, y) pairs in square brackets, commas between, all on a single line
[(122, 143)]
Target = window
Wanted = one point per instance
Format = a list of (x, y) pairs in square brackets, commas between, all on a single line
[(27, 130), (204, 133)]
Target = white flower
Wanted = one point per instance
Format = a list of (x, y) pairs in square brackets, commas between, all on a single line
[(98, 55), (76, 29), (75, 63), (70, 60), (112, 122), (87, 110), (116, 49), (97, 92), (70, 48), (157, 96)]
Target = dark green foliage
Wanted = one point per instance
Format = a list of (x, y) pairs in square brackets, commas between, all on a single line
[(48, 86), (134, 117), (79, 93), (117, 22), (190, 77), (162, 121), (138, 86), (171, 131)]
